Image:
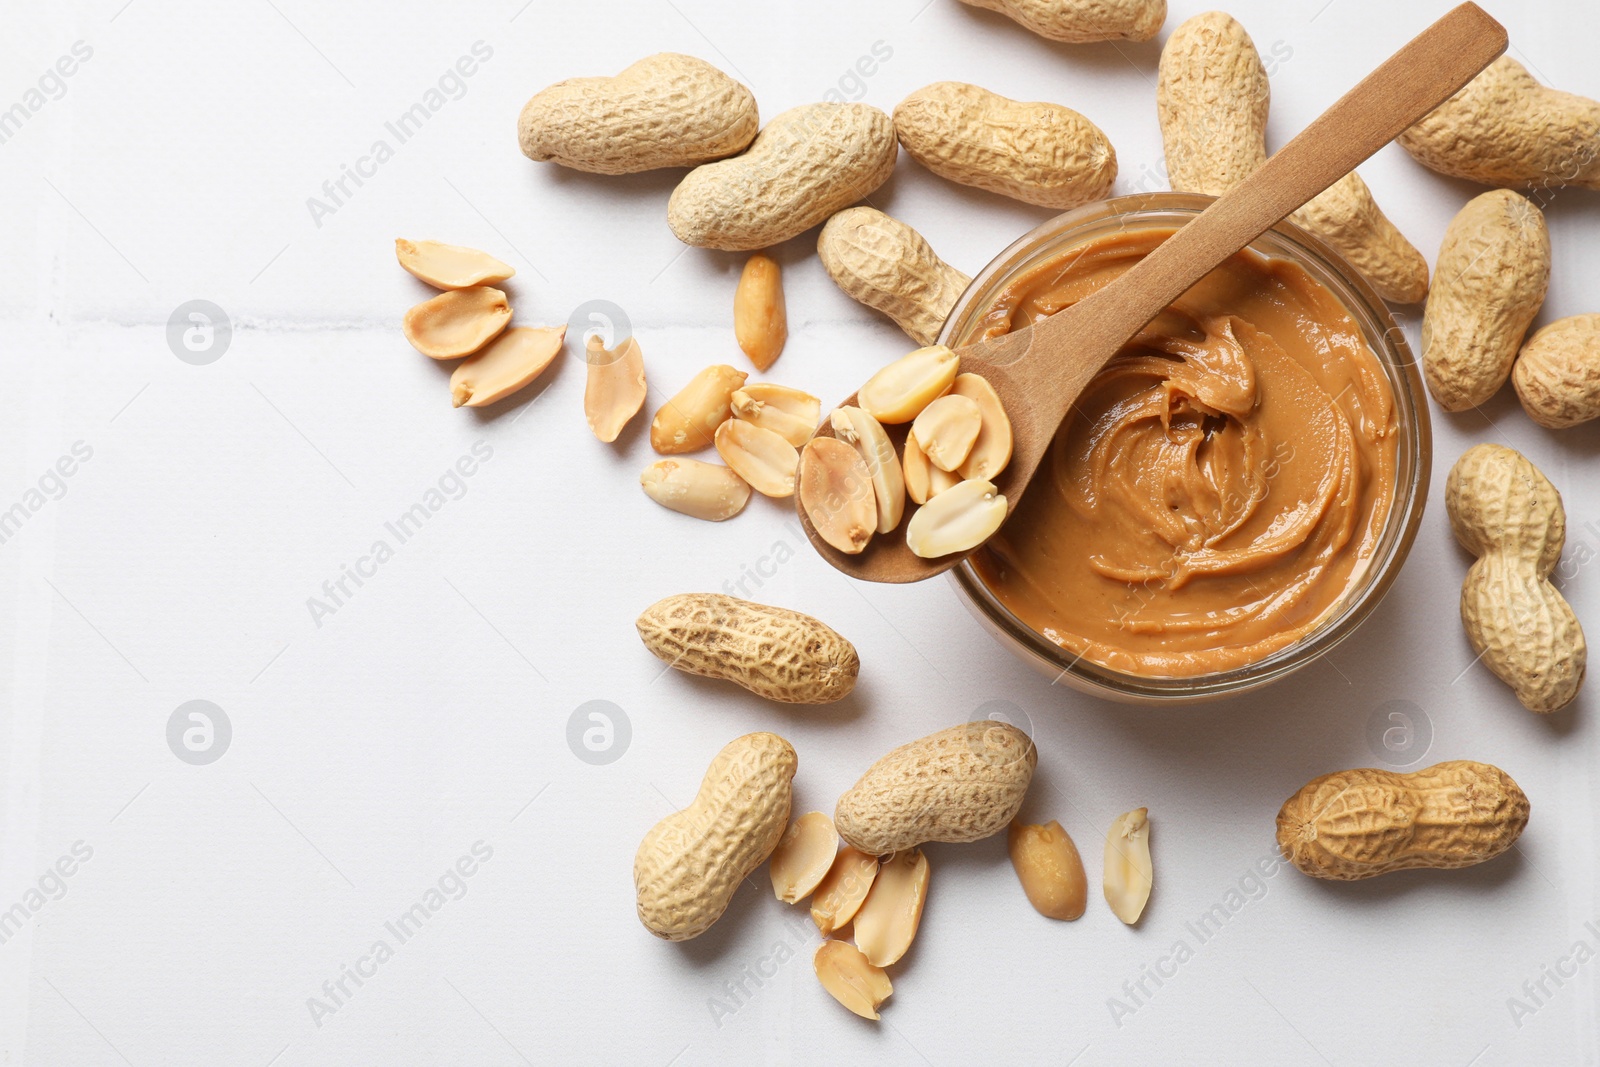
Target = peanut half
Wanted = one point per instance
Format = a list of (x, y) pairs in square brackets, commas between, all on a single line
[(867, 436), (504, 365), (789, 413), (1505, 128), (838, 896), (615, 389), (760, 457), (457, 323), (958, 519), (992, 450), (1557, 376), (1050, 870), (806, 164), (666, 110), (888, 920), (1505, 512), (960, 784), (1356, 824), (1492, 275), (689, 421), (924, 481), (900, 391), (450, 266), (773, 652), (701, 490), (692, 862), (1038, 153), (1078, 22), (804, 857), (837, 492), (947, 429), (760, 320), (883, 263), (847, 976), (1128, 872)]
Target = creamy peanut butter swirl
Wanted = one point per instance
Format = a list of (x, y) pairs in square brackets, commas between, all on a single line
[(1223, 483)]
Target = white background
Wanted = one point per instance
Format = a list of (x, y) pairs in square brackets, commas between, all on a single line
[(430, 711)]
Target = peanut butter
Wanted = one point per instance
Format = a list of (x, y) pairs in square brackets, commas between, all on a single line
[(1224, 481)]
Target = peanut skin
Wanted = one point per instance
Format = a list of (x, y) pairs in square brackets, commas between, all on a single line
[(1361, 823)]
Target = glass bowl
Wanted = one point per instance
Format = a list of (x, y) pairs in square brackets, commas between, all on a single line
[(1414, 451)]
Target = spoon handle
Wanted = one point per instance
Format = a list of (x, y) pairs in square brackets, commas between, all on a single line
[(1413, 81)]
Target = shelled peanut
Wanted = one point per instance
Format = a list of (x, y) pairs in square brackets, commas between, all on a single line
[(959, 438), (468, 321)]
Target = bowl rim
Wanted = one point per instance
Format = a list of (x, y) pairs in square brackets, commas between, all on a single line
[(1414, 453)]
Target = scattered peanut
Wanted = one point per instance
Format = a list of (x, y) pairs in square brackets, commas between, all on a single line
[(960, 784), (773, 652), (504, 365), (806, 164), (457, 323), (1505, 128), (924, 481), (956, 520), (867, 436), (1212, 98), (1557, 376), (789, 413), (761, 457), (666, 110), (1128, 873), (701, 490), (688, 422), (804, 857), (615, 389), (837, 492), (1038, 153), (900, 391), (847, 976), (1492, 275), (838, 896), (692, 862), (1505, 512), (1080, 22), (886, 265), (1356, 824), (992, 450), (450, 266), (1049, 868), (947, 429), (760, 320), (888, 920)]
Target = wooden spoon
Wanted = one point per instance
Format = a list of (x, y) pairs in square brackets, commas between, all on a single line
[(1039, 372)]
